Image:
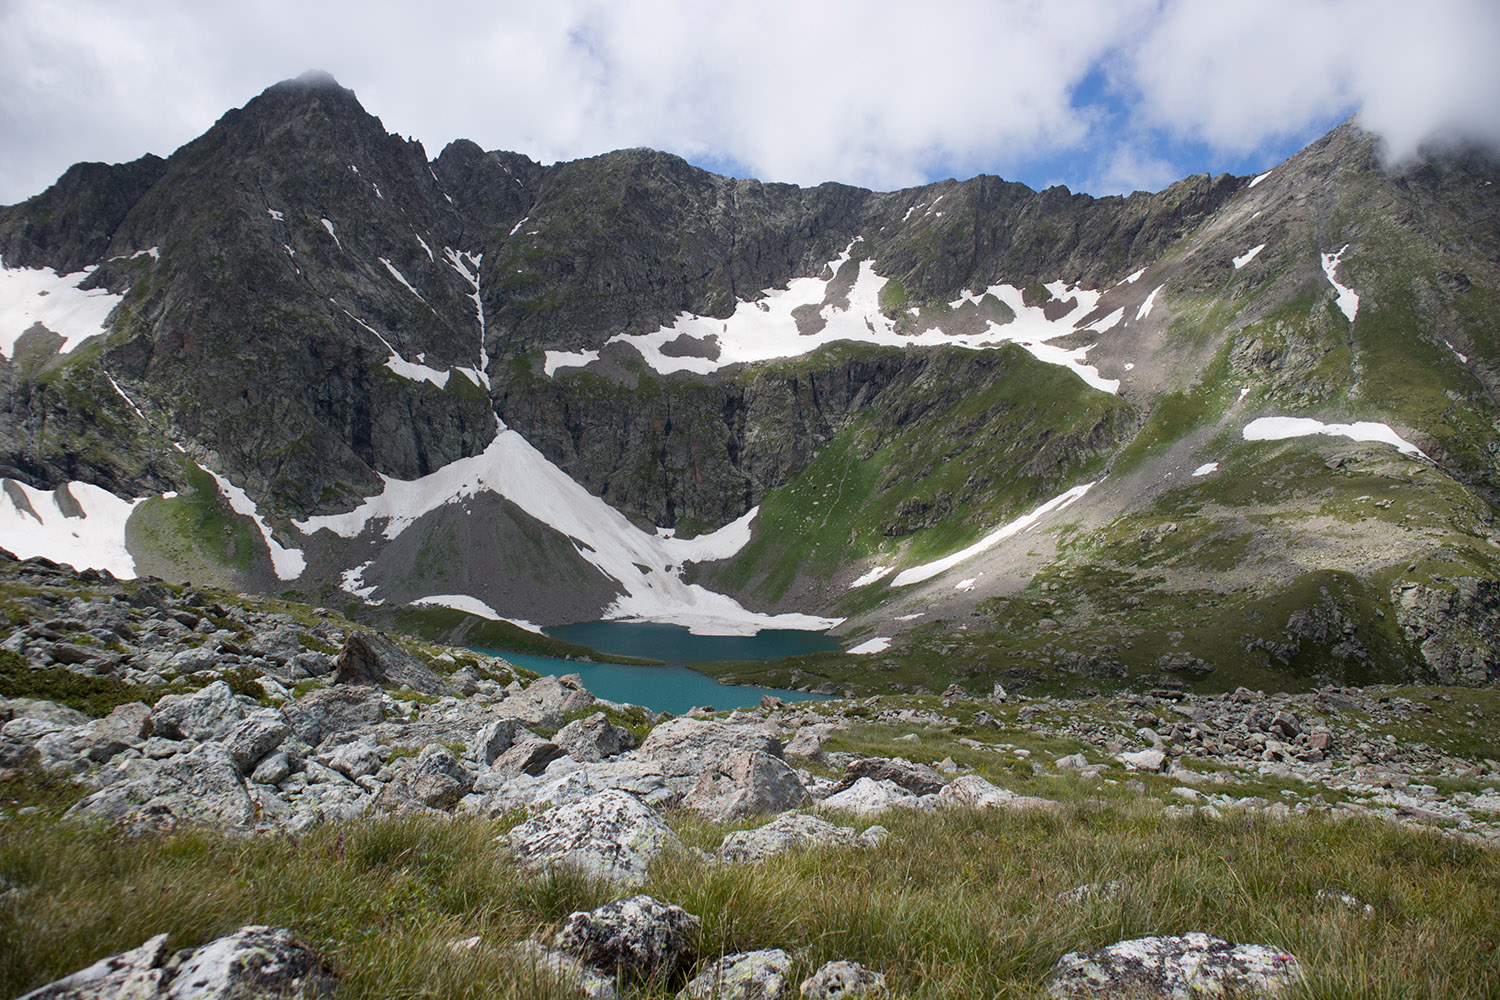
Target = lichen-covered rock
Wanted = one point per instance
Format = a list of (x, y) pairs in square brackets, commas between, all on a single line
[(1143, 760), (593, 738), (973, 792), (201, 786), (336, 711), (566, 781), (750, 975), (838, 980), (746, 783), (253, 737), (1182, 967), (867, 796), (493, 740), (375, 660), (687, 747), (253, 963), (208, 714), (610, 835), (793, 831), (546, 700), (640, 936), (529, 755), (919, 779)]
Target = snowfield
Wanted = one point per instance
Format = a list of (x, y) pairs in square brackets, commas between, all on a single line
[(33, 523), (766, 329), (646, 566), (40, 295), (1281, 428)]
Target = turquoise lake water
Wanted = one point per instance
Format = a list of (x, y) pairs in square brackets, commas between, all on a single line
[(672, 687)]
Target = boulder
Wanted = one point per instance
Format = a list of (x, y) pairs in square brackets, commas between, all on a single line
[(868, 795), (973, 792), (593, 738), (687, 747), (256, 735), (792, 831), (566, 781), (208, 714), (355, 759), (919, 779), (746, 783), (259, 962), (370, 659), (201, 786), (749, 975), (636, 937), (528, 755), (134, 973), (1171, 968), (438, 779), (610, 835), (493, 740), (545, 700), (335, 711), (1143, 760), (838, 980)]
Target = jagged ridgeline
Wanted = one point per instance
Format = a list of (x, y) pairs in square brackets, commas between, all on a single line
[(1238, 431)]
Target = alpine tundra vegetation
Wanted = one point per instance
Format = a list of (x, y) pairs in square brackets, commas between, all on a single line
[(1157, 534)]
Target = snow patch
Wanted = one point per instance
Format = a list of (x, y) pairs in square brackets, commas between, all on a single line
[(460, 602), (1259, 177), (553, 360), (329, 226), (879, 644), (911, 617), (1247, 256), (153, 252), (1462, 357), (714, 545), (467, 265), (1145, 309), (279, 217), (1132, 278), (966, 585), (877, 573), (514, 229), (1348, 301), (1281, 428), (40, 295), (765, 330), (929, 570), (425, 247), (352, 580), (288, 563), (1206, 469), (645, 565), (38, 526)]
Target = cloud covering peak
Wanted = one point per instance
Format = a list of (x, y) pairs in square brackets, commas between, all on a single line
[(1103, 95)]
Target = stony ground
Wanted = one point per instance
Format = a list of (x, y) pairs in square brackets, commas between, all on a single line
[(163, 708)]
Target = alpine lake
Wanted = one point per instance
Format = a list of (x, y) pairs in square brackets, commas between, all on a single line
[(671, 686)]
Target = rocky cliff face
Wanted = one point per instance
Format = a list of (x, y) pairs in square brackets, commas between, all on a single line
[(312, 310)]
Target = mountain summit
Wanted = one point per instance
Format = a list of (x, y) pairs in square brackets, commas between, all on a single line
[(1240, 428)]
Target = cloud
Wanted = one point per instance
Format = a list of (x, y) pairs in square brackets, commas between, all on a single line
[(1241, 76), (871, 92)]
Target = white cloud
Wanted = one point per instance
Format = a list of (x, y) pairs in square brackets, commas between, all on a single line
[(872, 92), (1239, 76)]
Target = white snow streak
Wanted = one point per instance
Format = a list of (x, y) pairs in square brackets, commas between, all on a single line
[(765, 329), (40, 295), (94, 541), (966, 585), (460, 602), (553, 360), (879, 644), (929, 570), (1259, 177), (645, 565), (1348, 301), (329, 226), (1204, 470), (402, 278), (516, 228), (467, 265), (288, 563), (877, 573), (1145, 309), (1247, 256), (425, 247), (1462, 357), (1133, 278), (1281, 428)]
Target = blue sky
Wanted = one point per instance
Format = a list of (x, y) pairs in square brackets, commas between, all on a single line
[(1105, 96)]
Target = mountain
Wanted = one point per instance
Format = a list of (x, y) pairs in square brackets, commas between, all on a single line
[(1240, 431)]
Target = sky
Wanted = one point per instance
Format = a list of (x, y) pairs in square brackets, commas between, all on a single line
[(1104, 96)]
